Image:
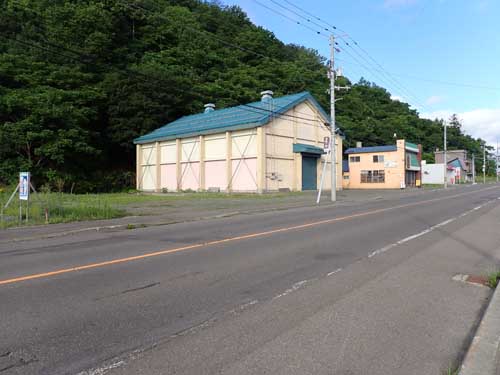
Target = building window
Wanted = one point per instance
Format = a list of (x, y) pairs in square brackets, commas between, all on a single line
[(378, 158), (372, 177), (355, 159)]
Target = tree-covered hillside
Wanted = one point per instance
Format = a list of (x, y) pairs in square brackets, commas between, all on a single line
[(80, 79)]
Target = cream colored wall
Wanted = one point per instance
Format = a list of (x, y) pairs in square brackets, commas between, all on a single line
[(283, 166), (147, 171), (243, 172), (227, 161), (393, 166)]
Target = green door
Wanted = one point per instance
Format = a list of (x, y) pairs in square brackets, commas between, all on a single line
[(309, 172)]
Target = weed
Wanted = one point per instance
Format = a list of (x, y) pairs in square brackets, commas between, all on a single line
[(493, 279), (131, 226), (452, 370)]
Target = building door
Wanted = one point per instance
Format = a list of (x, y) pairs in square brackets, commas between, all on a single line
[(411, 178), (309, 172)]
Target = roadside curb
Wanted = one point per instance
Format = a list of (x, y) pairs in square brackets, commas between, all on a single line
[(139, 225), (482, 355)]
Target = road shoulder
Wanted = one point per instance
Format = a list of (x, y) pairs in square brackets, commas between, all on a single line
[(398, 312)]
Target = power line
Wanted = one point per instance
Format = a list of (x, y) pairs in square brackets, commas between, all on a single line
[(299, 15), (388, 75), (404, 92), (137, 73), (291, 19), (327, 24), (250, 108), (136, 6), (36, 46)]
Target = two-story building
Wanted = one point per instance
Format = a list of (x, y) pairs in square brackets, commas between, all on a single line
[(383, 167)]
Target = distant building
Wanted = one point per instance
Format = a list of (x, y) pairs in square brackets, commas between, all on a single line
[(464, 162), (433, 174), (384, 167), (272, 144), (456, 172)]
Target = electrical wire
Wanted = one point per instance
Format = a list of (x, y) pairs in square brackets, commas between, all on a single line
[(291, 19), (140, 74), (373, 61)]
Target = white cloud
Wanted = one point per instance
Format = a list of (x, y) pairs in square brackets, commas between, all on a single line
[(435, 99), (398, 98), (479, 123)]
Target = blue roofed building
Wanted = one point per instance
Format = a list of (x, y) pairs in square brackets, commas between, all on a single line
[(268, 145)]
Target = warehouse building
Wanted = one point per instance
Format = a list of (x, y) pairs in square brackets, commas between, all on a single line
[(383, 167), (269, 145)]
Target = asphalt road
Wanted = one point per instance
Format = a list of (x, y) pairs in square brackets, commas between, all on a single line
[(253, 294)]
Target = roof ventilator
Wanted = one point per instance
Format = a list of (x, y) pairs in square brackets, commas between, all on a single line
[(210, 107), (266, 96)]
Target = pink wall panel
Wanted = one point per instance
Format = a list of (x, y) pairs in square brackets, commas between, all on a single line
[(244, 174), (168, 177), (216, 174), (190, 173)]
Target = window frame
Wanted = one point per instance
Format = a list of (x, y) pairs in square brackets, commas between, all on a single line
[(372, 176)]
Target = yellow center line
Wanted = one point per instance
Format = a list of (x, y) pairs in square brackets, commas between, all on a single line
[(223, 241)]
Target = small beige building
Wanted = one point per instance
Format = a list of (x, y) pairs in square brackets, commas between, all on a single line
[(383, 167), (272, 144)]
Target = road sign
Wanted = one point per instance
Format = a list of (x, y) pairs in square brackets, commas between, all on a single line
[(326, 144), (24, 186)]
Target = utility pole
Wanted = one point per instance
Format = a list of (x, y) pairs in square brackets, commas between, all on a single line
[(496, 170), (445, 157), (473, 169), (332, 117), (484, 162)]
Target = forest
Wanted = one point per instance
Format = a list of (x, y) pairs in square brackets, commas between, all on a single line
[(79, 80)]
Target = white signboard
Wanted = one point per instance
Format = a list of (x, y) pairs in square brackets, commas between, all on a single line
[(24, 186), (326, 144), (390, 164)]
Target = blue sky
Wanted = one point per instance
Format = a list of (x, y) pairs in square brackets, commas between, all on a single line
[(453, 41)]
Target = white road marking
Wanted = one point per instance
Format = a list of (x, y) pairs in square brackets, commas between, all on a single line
[(334, 272), (102, 370), (294, 287), (243, 307), (428, 230), (446, 222)]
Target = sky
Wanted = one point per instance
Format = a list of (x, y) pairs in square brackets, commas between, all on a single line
[(440, 56)]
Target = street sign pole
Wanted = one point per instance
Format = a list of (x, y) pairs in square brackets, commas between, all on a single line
[(24, 194), (327, 150)]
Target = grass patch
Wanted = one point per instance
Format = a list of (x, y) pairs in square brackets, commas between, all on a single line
[(63, 208), (452, 370), (51, 208), (493, 279), (433, 186)]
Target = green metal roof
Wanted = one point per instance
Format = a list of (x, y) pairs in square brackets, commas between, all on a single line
[(301, 147), (411, 145), (234, 118)]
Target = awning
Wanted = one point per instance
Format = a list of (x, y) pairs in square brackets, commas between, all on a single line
[(307, 149)]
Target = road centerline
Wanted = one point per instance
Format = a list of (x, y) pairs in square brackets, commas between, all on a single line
[(225, 240)]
